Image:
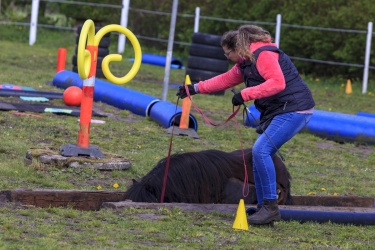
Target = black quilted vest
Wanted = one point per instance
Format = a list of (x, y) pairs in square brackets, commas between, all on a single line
[(295, 97)]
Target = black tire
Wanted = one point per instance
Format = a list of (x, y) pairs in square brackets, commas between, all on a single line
[(79, 28), (207, 39), (197, 75), (98, 64), (99, 72), (102, 52), (210, 64), (104, 42), (206, 51)]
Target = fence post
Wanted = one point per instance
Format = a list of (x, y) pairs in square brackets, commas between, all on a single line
[(196, 20), (33, 21), (123, 23), (278, 27), (170, 50), (367, 58)]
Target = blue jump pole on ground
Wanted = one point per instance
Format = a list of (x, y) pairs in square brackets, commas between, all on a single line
[(164, 113), (366, 114), (169, 115), (159, 60), (332, 125), (112, 94), (355, 218)]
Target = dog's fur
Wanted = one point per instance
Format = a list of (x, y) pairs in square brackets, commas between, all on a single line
[(209, 176)]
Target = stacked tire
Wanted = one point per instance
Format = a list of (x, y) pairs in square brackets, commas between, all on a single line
[(206, 58), (103, 51)]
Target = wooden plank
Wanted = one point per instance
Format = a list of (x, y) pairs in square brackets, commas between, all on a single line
[(93, 200), (77, 199), (189, 207)]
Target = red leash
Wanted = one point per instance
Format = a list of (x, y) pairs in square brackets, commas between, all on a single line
[(168, 159), (208, 120), (246, 177), (233, 115)]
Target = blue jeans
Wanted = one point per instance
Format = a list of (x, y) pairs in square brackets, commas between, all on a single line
[(282, 128)]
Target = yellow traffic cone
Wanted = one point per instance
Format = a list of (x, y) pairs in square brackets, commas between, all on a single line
[(240, 222), (348, 89)]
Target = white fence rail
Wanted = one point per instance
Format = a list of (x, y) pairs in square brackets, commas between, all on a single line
[(125, 8)]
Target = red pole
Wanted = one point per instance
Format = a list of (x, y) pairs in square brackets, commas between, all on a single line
[(61, 59), (87, 100)]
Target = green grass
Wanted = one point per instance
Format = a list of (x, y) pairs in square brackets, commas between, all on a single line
[(314, 163)]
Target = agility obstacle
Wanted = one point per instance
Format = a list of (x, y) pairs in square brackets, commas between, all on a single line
[(366, 114), (183, 126), (159, 60), (61, 59), (87, 57), (164, 113), (356, 210), (334, 126), (339, 217)]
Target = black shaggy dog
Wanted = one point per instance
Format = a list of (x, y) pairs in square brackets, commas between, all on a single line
[(209, 176)]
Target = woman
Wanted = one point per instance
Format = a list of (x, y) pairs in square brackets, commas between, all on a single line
[(283, 99)]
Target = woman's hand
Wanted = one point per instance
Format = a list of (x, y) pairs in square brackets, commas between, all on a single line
[(182, 91)]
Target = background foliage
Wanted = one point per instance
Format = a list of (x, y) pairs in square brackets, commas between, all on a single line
[(335, 46)]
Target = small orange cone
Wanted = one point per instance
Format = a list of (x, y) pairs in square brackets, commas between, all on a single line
[(186, 106), (240, 222), (348, 89)]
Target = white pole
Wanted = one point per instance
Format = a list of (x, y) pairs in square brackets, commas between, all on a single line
[(33, 21), (278, 27), (124, 23), (196, 20), (367, 58), (170, 49)]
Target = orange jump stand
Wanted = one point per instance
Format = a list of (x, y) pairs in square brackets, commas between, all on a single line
[(183, 128), (87, 55)]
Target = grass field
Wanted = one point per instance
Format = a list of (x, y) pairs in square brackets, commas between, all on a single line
[(318, 166)]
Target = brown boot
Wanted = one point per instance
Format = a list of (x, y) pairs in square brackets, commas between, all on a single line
[(252, 210), (268, 213)]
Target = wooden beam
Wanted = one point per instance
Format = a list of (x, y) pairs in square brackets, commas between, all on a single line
[(77, 199), (93, 200)]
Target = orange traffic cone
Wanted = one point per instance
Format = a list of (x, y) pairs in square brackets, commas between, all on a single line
[(183, 128), (186, 105), (240, 222), (348, 89)]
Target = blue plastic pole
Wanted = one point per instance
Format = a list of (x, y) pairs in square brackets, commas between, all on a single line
[(164, 113)]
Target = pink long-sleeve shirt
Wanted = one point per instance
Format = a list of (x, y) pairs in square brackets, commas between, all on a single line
[(268, 67)]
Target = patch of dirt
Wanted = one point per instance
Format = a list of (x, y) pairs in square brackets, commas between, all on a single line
[(100, 107), (106, 182), (151, 216), (362, 150)]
